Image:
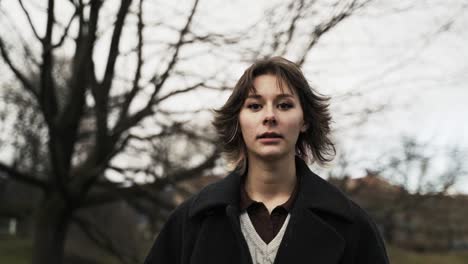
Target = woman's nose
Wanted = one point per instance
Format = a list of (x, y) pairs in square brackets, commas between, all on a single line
[(270, 118)]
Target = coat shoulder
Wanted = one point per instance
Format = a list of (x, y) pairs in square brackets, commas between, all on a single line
[(169, 245), (368, 241)]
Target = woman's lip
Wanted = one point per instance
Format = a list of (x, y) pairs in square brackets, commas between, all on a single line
[(270, 135), (269, 139)]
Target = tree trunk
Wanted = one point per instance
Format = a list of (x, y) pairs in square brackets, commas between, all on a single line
[(52, 220), (389, 227)]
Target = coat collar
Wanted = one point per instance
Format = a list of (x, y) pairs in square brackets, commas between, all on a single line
[(314, 193)]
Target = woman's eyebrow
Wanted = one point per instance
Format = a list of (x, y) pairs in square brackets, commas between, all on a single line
[(254, 96)]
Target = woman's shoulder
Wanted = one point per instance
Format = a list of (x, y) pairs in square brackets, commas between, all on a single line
[(215, 193)]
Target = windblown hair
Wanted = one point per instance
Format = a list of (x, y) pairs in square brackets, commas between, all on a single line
[(313, 145)]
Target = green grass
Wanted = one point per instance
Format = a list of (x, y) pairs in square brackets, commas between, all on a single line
[(15, 251), (18, 251), (401, 256)]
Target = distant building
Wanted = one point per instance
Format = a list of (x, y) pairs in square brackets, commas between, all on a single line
[(414, 221), (418, 222), (17, 202)]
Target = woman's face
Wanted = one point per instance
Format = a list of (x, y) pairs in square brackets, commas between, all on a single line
[(270, 120)]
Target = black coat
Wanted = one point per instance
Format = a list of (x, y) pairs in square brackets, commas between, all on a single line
[(325, 228)]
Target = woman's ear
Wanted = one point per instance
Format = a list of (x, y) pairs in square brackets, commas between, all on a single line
[(304, 127)]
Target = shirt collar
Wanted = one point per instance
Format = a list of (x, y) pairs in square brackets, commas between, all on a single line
[(313, 193), (245, 200)]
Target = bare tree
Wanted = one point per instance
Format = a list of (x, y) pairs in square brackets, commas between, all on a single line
[(76, 123), (422, 169), (419, 176), (81, 123)]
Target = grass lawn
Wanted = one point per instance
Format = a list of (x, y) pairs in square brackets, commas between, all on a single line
[(15, 251), (400, 256), (18, 251)]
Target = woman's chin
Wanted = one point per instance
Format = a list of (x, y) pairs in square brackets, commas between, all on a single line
[(272, 155)]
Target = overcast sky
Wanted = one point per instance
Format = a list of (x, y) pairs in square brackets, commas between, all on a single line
[(409, 56), (414, 60)]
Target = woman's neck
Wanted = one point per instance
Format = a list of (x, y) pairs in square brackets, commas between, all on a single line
[(271, 182)]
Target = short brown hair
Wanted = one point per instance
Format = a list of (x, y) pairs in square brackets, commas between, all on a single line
[(314, 141)]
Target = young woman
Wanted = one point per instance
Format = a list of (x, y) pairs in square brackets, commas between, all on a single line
[(271, 208)]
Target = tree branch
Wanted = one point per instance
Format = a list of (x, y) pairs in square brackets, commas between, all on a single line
[(65, 32), (127, 122), (324, 27), (31, 24), (186, 174), (27, 51), (131, 121), (188, 89), (277, 36), (135, 86), (101, 239), (111, 193), (101, 92), (114, 47), (82, 76), (23, 177), (24, 81), (159, 82), (147, 191), (47, 94)]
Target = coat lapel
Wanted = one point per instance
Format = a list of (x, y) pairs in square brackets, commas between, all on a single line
[(308, 238), (217, 242), (220, 239)]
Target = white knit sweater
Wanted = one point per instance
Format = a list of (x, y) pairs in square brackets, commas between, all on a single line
[(261, 252)]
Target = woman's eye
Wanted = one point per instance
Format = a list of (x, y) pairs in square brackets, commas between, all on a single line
[(254, 106), (285, 106)]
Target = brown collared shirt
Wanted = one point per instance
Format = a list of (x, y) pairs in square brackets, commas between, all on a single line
[(267, 225)]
